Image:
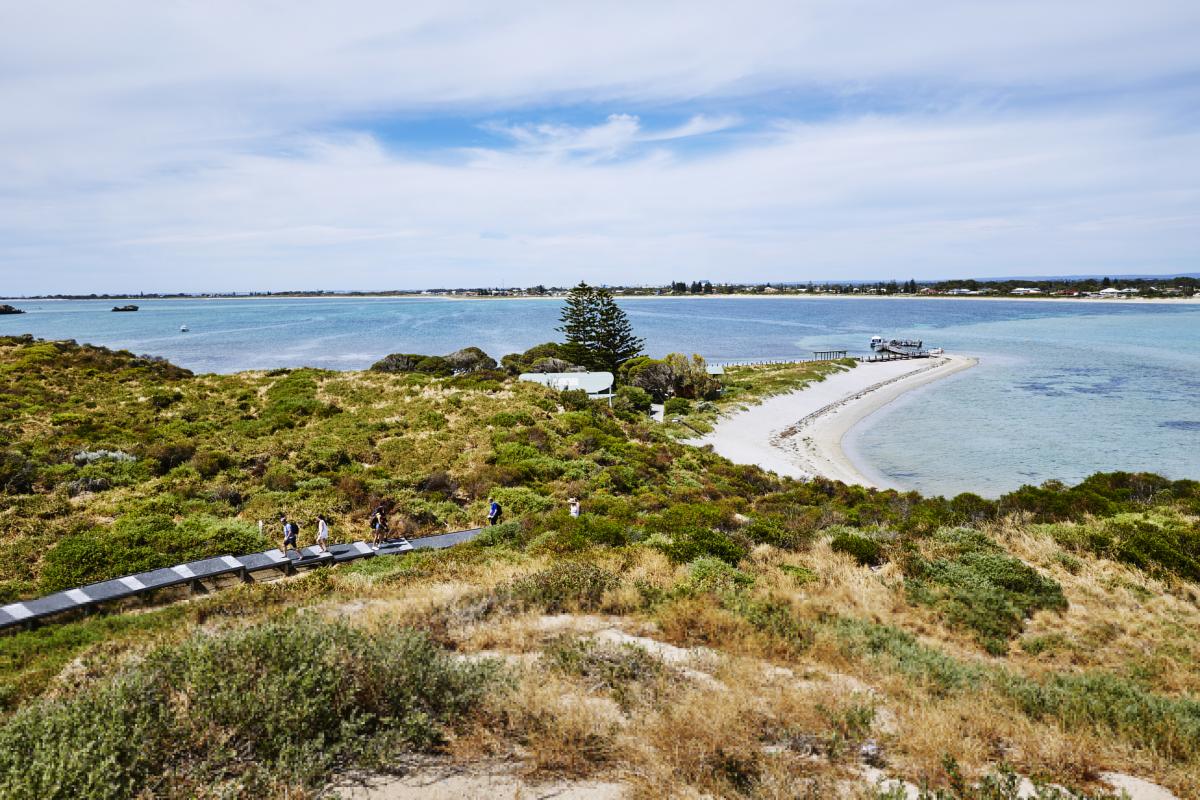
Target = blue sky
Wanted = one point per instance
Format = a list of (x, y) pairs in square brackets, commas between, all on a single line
[(372, 145)]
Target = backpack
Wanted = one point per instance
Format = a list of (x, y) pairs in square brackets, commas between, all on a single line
[(496, 510), (295, 529)]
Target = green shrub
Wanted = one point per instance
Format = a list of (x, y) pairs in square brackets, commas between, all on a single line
[(708, 574), (165, 456), (634, 399), (141, 543), (689, 531), (625, 669), (801, 575), (548, 357), (676, 406), (279, 478), (284, 702), (574, 399), (863, 549), (164, 399), (774, 530), (775, 619), (975, 584), (676, 375), (17, 472), (508, 419), (569, 534), (1160, 543), (414, 362), (566, 586), (1168, 726), (209, 462)]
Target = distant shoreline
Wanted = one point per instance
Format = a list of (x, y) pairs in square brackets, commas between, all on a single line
[(783, 296)]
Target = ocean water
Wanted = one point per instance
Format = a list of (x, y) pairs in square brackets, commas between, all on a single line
[(1062, 389)]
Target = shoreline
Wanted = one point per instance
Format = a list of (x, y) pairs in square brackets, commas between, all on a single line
[(1182, 301), (800, 434)]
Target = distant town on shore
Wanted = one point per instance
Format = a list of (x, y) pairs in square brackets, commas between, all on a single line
[(1072, 287)]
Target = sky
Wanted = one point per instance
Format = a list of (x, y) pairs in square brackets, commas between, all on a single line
[(166, 145)]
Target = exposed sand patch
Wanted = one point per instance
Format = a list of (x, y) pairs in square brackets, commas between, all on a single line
[(1136, 788), (800, 434), (498, 780)]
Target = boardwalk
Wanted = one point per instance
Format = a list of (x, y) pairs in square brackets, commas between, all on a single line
[(213, 573)]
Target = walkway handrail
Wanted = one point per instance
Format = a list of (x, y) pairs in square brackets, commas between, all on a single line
[(29, 612)]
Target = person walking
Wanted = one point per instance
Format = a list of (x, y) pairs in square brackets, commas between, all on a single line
[(322, 533), (379, 525), (291, 533), (494, 511), (573, 504)]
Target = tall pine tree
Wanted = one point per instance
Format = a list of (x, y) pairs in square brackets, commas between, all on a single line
[(615, 342), (578, 320), (599, 334)]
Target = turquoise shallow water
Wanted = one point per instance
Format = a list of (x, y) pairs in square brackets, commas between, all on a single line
[(1062, 389)]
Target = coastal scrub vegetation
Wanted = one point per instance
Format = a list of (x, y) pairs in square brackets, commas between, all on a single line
[(702, 626)]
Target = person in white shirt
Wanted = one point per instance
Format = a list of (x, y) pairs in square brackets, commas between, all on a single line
[(322, 533), (574, 506)]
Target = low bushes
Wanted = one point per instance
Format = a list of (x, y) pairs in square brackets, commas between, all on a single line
[(1168, 726), (676, 406), (626, 670), (1162, 544), (673, 376), (566, 586), (975, 584), (863, 549), (686, 532), (140, 543), (632, 399), (279, 703), (567, 534), (17, 472), (292, 402)]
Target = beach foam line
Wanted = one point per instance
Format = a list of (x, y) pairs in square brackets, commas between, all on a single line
[(800, 434)]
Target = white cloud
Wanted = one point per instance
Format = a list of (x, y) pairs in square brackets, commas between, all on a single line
[(615, 136), (174, 143)]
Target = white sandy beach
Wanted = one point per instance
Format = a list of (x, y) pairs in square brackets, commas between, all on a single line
[(799, 434)]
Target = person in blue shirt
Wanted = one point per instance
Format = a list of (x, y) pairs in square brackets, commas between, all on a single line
[(493, 512), (291, 533)]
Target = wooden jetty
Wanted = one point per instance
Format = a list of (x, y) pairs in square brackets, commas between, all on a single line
[(896, 349)]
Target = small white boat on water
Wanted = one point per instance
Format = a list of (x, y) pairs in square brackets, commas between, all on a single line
[(183, 328), (937, 351), (876, 342)]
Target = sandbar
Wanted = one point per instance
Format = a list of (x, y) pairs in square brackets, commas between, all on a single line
[(799, 434)]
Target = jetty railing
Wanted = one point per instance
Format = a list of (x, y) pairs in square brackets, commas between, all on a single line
[(892, 356), (198, 575), (818, 356)]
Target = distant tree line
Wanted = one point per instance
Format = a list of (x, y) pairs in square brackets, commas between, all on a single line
[(695, 287)]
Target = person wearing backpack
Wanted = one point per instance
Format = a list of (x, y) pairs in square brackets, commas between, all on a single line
[(494, 512), (291, 535), (379, 525)]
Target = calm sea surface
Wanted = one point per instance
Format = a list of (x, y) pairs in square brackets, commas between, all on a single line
[(1062, 389)]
